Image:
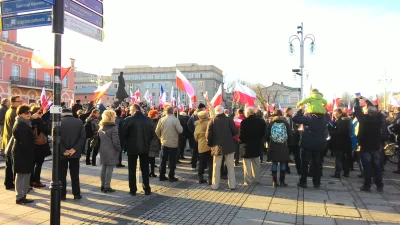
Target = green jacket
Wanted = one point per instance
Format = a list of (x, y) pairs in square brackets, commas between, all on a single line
[(316, 102)]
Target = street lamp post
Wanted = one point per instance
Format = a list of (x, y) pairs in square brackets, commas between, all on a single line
[(301, 39), (385, 80), (98, 81)]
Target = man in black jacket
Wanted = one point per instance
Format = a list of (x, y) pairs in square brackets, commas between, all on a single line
[(369, 137), (294, 147), (191, 125), (137, 133), (76, 108), (313, 143), (72, 138)]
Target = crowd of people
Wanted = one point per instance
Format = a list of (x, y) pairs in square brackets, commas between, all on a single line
[(217, 139)]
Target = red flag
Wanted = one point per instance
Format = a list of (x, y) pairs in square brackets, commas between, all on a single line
[(375, 100)]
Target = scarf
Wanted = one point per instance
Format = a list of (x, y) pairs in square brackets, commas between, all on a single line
[(22, 120)]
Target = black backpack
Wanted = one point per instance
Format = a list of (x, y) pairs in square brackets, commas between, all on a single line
[(88, 129)]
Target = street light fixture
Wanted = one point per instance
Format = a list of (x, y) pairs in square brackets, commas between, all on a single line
[(301, 39), (98, 81), (385, 80)]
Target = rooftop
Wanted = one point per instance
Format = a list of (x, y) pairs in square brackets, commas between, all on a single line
[(90, 90), (187, 67)]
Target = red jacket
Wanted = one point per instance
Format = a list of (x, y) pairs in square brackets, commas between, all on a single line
[(238, 121)]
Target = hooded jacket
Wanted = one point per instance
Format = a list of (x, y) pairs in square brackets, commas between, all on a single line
[(317, 103)]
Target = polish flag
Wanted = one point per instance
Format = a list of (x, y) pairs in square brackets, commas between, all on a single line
[(272, 108), (349, 109), (183, 84), (101, 91), (217, 99), (375, 100), (244, 95), (137, 95), (191, 104), (237, 121), (393, 100), (173, 101), (43, 99), (181, 108), (38, 62), (267, 107)]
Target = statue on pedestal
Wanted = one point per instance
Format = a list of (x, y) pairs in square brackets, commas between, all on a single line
[(121, 92)]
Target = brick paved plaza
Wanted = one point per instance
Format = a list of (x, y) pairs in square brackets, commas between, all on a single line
[(187, 202)]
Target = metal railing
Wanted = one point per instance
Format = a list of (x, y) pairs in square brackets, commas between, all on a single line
[(15, 81)]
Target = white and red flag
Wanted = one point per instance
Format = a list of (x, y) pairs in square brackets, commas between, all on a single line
[(205, 95), (375, 100), (217, 99), (183, 84), (43, 100), (101, 91), (244, 95), (38, 62)]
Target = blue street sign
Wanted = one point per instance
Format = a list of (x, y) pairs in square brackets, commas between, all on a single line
[(20, 6), (94, 5), (83, 13), (26, 21), (49, 1)]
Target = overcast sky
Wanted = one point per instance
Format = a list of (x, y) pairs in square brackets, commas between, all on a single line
[(248, 40)]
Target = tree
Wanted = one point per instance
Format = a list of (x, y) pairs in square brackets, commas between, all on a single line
[(345, 99)]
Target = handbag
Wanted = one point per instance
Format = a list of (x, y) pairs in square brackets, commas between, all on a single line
[(40, 138), (95, 142), (217, 150)]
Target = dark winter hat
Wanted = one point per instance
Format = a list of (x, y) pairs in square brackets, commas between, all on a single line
[(201, 106), (66, 111)]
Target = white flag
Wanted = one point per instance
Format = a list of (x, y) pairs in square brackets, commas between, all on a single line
[(147, 96)]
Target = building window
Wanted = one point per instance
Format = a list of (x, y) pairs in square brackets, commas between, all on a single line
[(65, 82), (201, 76), (159, 76), (32, 77), (285, 99), (202, 94), (147, 85), (5, 34), (166, 85), (153, 85), (16, 69), (115, 86), (153, 94), (47, 78), (194, 84), (201, 84), (147, 77), (188, 76), (154, 76)]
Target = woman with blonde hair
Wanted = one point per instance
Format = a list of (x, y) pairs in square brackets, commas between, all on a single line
[(109, 149)]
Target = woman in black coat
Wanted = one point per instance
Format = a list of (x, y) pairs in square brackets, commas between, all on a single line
[(22, 153), (41, 151)]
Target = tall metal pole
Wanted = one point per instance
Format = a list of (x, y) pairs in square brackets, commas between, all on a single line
[(301, 62), (55, 186), (384, 94)]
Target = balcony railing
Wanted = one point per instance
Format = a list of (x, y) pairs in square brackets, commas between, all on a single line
[(15, 81)]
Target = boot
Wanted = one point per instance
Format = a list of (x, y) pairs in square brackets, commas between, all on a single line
[(274, 179), (282, 179)]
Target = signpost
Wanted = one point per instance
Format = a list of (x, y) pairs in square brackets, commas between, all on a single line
[(83, 13), (20, 6), (26, 21), (88, 10), (83, 28), (94, 5)]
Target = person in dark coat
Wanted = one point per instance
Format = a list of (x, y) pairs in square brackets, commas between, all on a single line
[(41, 151), (120, 123), (313, 142), (278, 150), (9, 121), (155, 145), (70, 152), (191, 126), (220, 133), (251, 134), (22, 153), (138, 131), (369, 137), (77, 106), (340, 142), (5, 104), (110, 147), (294, 147)]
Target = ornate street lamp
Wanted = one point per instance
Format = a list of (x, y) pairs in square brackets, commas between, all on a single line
[(301, 39), (385, 80)]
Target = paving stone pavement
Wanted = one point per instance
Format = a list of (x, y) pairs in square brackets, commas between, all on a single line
[(337, 202)]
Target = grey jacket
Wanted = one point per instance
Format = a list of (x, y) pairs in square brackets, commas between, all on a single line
[(110, 146), (72, 136)]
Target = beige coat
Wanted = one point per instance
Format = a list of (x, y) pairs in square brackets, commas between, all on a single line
[(200, 135), (168, 130)]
